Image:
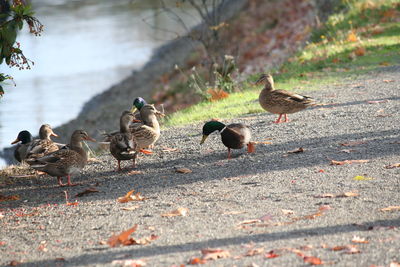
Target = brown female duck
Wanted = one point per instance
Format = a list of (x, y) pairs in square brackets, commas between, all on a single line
[(234, 136), (64, 162), (40, 147), (122, 144), (280, 101)]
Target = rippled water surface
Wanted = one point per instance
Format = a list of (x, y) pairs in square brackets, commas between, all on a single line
[(86, 47)]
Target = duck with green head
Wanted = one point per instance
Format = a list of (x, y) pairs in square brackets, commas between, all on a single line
[(137, 105), (21, 149), (233, 136)]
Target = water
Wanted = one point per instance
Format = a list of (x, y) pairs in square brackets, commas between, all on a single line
[(86, 47)]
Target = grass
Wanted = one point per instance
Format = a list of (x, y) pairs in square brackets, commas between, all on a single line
[(363, 36)]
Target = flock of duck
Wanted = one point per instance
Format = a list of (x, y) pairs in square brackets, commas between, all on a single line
[(139, 130)]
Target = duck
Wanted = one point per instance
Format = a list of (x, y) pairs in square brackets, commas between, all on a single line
[(280, 101), (44, 145), (233, 136), (137, 105), (25, 139), (122, 144), (64, 162)]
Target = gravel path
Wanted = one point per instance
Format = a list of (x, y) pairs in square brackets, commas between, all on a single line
[(241, 205)]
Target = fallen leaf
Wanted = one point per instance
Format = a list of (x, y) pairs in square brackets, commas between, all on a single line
[(388, 81), (360, 51), (352, 37), (391, 208), (87, 191), (72, 203), (134, 172), (129, 263), (347, 150), (196, 260), (130, 208), (183, 170), (384, 63), (392, 166), (324, 207), (295, 151), (362, 178), (255, 251), (377, 101), (354, 143), (7, 198), (130, 197), (339, 248), (271, 255), (169, 149), (351, 250), (286, 212), (217, 94), (178, 212), (122, 238), (2, 243), (234, 212), (313, 260), (346, 194), (249, 221), (14, 263), (359, 240), (213, 254), (146, 240), (337, 162)]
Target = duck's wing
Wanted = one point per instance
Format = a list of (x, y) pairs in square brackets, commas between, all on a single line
[(287, 96)]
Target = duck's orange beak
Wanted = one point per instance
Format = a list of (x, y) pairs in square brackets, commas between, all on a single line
[(90, 139), (54, 134), (15, 141)]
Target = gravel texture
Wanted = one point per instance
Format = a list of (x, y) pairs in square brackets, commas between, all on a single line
[(220, 194)]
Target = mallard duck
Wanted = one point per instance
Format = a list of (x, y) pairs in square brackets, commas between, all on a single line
[(234, 136), (146, 134), (280, 101), (64, 162), (20, 151), (40, 147), (137, 105), (122, 145)]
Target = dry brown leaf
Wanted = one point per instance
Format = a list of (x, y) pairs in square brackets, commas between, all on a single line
[(392, 166), (7, 198), (391, 208), (377, 101), (345, 194), (338, 162), (254, 251), (351, 250), (213, 254), (388, 81), (359, 240), (313, 260), (134, 172), (183, 170), (130, 208), (130, 197), (270, 255), (169, 149), (295, 151), (249, 221), (122, 238), (196, 260), (217, 94), (287, 212), (87, 191), (130, 263), (360, 51), (354, 143), (178, 212), (339, 248), (234, 212)]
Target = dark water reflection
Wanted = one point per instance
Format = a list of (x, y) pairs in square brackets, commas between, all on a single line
[(86, 47)]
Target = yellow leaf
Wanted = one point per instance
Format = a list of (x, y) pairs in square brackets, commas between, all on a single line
[(352, 37), (362, 178)]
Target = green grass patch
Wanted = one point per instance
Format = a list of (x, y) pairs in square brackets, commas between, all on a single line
[(364, 36)]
